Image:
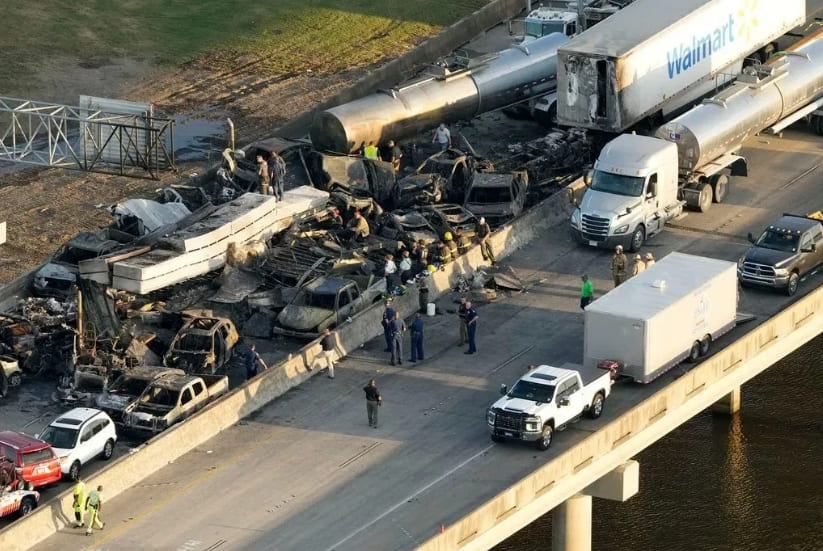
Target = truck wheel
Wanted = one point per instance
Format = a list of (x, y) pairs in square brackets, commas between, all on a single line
[(705, 345), (27, 505), (791, 288), (816, 122), (694, 353), (596, 409), (74, 471), (704, 202), (638, 238), (545, 439), (15, 379), (720, 187)]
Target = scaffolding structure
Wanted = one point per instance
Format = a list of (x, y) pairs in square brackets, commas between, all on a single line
[(130, 143)]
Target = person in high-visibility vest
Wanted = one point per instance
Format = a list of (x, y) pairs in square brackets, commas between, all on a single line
[(94, 503), (79, 502), (371, 152)]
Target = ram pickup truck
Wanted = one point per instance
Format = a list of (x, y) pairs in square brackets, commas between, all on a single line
[(169, 400), (546, 400), (786, 251)]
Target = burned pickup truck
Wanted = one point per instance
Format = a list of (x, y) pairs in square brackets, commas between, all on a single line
[(325, 303), (203, 345), (169, 400), (498, 197), (125, 389)]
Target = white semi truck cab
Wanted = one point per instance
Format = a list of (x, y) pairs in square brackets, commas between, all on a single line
[(633, 192), (545, 400)]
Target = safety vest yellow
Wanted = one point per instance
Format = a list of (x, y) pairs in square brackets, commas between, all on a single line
[(79, 493), (370, 152)]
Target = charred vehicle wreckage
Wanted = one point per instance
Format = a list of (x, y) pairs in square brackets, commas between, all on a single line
[(143, 319)]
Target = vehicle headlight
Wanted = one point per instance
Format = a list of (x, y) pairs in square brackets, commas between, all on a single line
[(622, 229), (575, 219), (63, 459), (781, 272), (741, 261), (532, 424), (490, 417)]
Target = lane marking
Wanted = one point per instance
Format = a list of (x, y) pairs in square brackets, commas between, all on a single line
[(405, 500), (510, 360), (799, 177), (357, 456)]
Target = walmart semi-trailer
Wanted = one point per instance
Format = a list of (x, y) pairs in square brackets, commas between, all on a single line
[(655, 57)]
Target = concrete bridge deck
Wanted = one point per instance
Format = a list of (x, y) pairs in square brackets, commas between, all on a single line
[(307, 472)]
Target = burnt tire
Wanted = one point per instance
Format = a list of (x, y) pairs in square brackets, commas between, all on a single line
[(15, 380), (27, 505), (596, 408), (794, 282), (638, 238), (720, 187), (705, 198), (694, 353), (545, 439)]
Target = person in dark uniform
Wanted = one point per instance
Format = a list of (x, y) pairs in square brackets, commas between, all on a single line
[(417, 338), (388, 317), (398, 327), (373, 401), (277, 174), (254, 363), (461, 320), (392, 154), (471, 327)]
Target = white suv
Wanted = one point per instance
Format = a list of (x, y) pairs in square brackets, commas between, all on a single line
[(79, 436)]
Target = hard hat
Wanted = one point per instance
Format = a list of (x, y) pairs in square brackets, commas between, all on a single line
[(637, 257), (619, 248), (431, 268), (649, 256), (447, 236)]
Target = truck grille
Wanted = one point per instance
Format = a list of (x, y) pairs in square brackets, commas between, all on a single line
[(509, 421), (594, 227), (754, 270)]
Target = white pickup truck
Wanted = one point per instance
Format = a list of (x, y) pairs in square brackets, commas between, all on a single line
[(547, 399)]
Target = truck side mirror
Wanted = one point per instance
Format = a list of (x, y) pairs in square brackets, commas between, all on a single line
[(564, 401), (588, 177), (571, 197), (810, 249), (750, 237), (504, 389)]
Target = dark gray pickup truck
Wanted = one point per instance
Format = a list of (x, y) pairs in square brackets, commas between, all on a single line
[(785, 252)]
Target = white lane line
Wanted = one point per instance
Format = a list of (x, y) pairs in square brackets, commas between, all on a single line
[(409, 498)]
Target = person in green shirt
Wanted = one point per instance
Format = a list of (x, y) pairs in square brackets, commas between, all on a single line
[(586, 292)]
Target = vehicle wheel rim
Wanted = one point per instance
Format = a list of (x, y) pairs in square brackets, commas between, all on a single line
[(598, 405), (547, 438), (107, 451), (792, 285), (74, 472), (25, 508)]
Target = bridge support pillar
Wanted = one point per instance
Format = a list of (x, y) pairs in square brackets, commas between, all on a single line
[(572, 520), (728, 404), (572, 524)]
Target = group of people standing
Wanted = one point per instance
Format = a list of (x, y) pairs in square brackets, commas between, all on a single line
[(620, 265), (271, 174), (393, 330)]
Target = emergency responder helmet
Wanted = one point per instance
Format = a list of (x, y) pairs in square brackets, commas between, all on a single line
[(431, 268), (447, 236), (619, 248)]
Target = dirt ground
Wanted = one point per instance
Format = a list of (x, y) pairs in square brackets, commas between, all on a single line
[(44, 207)]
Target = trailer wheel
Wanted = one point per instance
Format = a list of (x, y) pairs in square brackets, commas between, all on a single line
[(704, 201), (817, 124), (596, 408), (705, 345), (720, 187), (545, 439), (694, 353)]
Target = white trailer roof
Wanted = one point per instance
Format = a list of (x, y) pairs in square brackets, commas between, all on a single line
[(641, 297), (628, 28)]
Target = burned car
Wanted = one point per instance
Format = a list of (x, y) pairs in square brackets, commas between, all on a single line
[(497, 197), (325, 303), (448, 218), (126, 388), (418, 189), (408, 226), (457, 169), (203, 345)]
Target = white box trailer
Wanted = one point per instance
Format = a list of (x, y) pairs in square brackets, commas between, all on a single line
[(670, 312), (655, 56)]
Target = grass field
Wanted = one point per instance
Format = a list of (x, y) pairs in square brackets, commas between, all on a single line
[(293, 35)]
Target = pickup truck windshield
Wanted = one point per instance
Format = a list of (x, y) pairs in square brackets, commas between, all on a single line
[(630, 186), (490, 195), (779, 241), (531, 391), (314, 300)]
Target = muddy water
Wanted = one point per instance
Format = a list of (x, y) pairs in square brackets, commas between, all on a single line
[(751, 482)]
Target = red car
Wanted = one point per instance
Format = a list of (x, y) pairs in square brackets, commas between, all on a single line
[(29, 458)]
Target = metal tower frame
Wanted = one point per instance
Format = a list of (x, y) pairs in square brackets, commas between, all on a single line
[(54, 135)]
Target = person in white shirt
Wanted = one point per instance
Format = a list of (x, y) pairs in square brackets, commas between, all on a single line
[(405, 267), (443, 137), (390, 271)]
